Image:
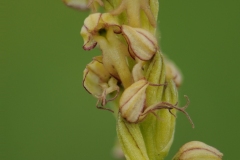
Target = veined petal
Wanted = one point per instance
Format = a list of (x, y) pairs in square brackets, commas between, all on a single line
[(77, 4), (142, 44)]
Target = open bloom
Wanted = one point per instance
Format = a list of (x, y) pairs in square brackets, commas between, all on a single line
[(98, 82), (103, 29)]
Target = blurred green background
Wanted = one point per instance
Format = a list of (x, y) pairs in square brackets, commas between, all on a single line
[(45, 112)]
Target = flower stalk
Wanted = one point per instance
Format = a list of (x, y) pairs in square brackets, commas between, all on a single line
[(132, 72)]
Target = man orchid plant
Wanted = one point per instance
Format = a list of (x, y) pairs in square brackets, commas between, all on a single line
[(133, 73)]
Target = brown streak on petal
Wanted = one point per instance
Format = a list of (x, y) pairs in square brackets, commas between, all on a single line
[(148, 39)]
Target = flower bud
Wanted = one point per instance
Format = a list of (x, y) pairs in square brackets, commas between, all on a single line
[(132, 101), (196, 150), (142, 44), (172, 72)]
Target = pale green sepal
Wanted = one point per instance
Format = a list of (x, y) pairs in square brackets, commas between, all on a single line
[(165, 125), (154, 73), (131, 139), (148, 128)]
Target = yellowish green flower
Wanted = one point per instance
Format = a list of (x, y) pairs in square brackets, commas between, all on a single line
[(98, 82)]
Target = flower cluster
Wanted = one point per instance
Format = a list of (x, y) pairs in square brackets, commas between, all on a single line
[(132, 72), (111, 71)]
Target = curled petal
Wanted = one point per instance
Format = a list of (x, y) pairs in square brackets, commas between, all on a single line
[(142, 44), (77, 4), (89, 42), (132, 101)]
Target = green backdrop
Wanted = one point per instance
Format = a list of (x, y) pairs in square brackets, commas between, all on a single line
[(45, 112)]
